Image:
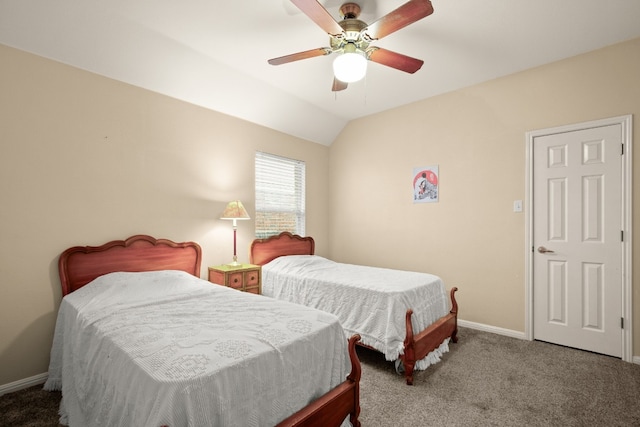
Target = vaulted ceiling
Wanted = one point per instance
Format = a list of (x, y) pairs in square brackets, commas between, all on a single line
[(214, 53)]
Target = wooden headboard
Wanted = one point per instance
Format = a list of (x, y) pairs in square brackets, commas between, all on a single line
[(264, 250), (79, 265)]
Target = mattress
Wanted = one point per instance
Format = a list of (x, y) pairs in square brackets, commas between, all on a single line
[(167, 348), (369, 301)]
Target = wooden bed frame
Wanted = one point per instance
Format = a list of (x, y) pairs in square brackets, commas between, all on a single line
[(416, 345), (79, 265)]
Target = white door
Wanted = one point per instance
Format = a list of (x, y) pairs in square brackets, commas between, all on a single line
[(577, 239)]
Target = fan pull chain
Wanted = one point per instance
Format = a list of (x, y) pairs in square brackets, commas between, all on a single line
[(366, 86)]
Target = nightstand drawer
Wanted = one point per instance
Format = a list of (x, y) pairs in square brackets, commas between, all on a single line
[(235, 280), (252, 278)]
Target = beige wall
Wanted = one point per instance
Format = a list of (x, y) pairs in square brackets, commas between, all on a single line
[(471, 237), (85, 159)]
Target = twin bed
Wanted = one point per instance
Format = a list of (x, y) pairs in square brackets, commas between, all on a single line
[(141, 340), (402, 314)]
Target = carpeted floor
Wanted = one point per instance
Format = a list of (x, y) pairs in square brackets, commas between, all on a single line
[(485, 380), (492, 380), (32, 407)]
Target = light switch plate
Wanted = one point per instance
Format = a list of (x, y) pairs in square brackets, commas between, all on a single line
[(517, 206)]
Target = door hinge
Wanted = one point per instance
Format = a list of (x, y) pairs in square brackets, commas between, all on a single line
[(622, 323), (622, 149), (622, 235)]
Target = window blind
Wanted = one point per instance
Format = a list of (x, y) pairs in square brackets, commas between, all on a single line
[(280, 195)]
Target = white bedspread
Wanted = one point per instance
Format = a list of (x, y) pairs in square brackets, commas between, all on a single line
[(167, 348), (369, 301)]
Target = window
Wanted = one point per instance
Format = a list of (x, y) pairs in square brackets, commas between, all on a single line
[(280, 195)]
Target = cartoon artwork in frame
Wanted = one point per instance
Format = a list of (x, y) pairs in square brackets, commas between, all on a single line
[(425, 184)]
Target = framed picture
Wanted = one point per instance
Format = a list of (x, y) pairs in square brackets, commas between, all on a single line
[(425, 184)]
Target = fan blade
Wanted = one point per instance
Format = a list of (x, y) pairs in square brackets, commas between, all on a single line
[(338, 85), (406, 14), (319, 15), (300, 55), (395, 60)]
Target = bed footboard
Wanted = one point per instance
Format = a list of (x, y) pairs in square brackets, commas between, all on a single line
[(333, 407), (416, 347)]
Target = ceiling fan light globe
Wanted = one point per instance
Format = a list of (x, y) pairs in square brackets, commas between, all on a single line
[(350, 67)]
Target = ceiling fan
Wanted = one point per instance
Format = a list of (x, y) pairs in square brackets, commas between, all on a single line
[(351, 38)]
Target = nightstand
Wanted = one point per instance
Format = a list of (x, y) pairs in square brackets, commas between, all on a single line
[(244, 277)]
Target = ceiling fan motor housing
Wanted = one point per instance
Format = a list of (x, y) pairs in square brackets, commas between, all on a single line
[(349, 11), (352, 29)]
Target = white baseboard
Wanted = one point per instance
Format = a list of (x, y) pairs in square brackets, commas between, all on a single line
[(493, 329), (23, 383), (509, 333)]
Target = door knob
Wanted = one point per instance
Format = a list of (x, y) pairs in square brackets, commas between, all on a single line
[(544, 250)]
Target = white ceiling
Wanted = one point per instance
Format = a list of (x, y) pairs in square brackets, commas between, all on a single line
[(214, 53)]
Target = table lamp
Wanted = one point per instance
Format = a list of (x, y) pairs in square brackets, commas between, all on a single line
[(235, 211)]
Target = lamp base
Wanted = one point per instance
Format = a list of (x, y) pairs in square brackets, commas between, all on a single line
[(235, 262)]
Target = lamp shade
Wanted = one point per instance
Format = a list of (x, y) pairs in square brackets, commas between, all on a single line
[(351, 66), (235, 210)]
